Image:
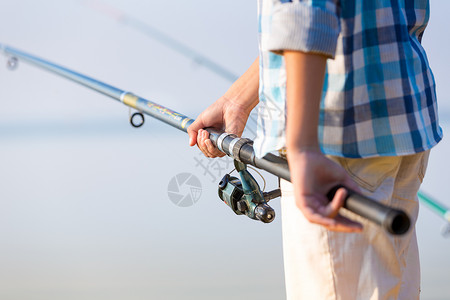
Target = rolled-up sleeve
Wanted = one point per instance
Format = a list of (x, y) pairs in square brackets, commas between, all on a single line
[(307, 26)]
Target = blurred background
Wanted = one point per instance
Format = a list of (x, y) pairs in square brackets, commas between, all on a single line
[(84, 206)]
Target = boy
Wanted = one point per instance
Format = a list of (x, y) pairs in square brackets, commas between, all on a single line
[(357, 107)]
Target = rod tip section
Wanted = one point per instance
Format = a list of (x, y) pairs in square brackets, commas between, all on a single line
[(4, 48), (447, 216)]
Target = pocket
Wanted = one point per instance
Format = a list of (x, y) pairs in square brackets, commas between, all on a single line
[(370, 173)]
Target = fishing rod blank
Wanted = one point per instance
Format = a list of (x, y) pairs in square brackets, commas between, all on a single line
[(393, 220), (158, 35), (438, 208), (150, 108)]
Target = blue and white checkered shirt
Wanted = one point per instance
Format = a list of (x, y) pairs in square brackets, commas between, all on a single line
[(379, 94)]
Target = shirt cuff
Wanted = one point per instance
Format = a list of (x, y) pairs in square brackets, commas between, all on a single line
[(298, 26)]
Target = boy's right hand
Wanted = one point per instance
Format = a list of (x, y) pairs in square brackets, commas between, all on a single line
[(224, 115)]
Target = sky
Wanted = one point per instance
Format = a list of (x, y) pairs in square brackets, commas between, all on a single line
[(85, 210)]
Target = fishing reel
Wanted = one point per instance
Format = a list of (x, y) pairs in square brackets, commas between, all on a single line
[(244, 196)]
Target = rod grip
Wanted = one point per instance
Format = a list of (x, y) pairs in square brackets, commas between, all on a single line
[(393, 220)]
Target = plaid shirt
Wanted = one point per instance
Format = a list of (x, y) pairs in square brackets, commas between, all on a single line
[(379, 95)]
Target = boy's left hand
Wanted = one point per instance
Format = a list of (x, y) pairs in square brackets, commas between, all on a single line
[(313, 175)]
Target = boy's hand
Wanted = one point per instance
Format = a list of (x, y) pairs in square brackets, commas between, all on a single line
[(313, 175), (224, 115)]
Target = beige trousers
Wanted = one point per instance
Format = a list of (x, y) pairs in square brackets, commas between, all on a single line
[(321, 265)]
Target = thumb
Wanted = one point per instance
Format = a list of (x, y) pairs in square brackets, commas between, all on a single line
[(332, 209), (193, 131)]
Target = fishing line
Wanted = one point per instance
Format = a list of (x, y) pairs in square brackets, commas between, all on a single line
[(152, 32), (260, 175)]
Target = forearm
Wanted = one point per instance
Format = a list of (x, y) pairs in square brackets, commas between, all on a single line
[(244, 91), (305, 75), (312, 173)]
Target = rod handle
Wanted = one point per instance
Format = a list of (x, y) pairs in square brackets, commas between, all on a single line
[(395, 221)]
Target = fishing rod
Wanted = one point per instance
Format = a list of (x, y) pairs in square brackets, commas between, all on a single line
[(183, 49), (156, 34), (242, 195), (439, 209), (152, 32)]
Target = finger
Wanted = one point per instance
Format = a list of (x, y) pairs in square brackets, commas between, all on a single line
[(344, 228), (344, 224), (335, 223), (339, 224), (192, 138), (332, 209), (207, 145), (316, 218), (213, 149), (192, 131), (201, 142)]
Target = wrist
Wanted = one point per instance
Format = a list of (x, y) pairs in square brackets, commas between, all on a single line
[(239, 104), (244, 93)]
